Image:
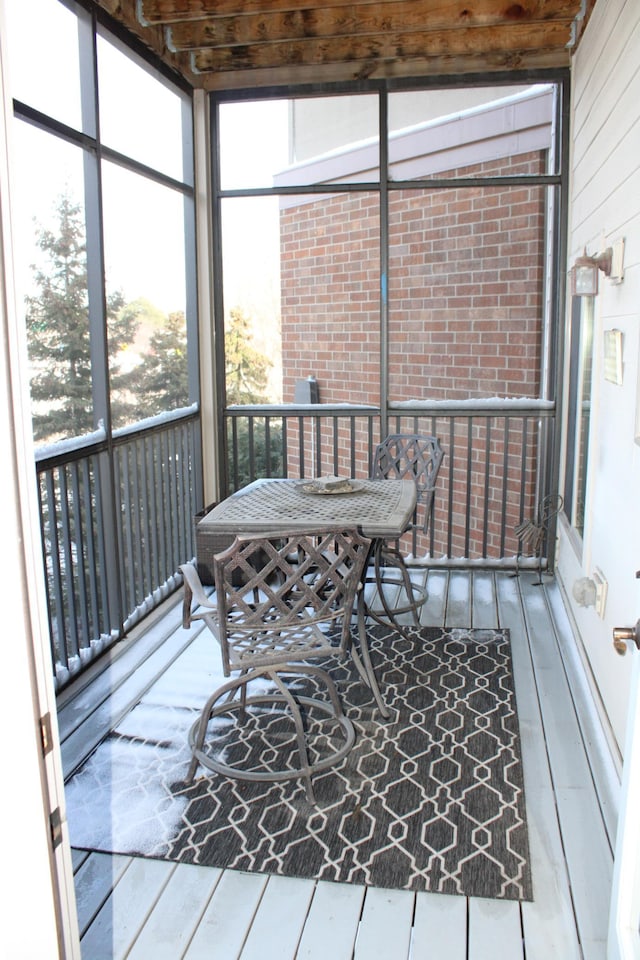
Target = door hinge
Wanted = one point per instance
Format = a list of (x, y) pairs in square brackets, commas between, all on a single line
[(45, 734), (55, 823)]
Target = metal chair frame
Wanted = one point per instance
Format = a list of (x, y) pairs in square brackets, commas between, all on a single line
[(276, 599), (404, 456), (532, 534)]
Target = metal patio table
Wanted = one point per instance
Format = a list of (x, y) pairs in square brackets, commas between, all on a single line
[(381, 508)]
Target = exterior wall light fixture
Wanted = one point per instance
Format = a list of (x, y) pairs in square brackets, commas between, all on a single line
[(584, 273)]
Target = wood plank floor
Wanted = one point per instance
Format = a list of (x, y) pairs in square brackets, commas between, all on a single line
[(137, 908)]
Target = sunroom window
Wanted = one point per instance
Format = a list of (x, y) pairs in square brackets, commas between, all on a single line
[(105, 254)]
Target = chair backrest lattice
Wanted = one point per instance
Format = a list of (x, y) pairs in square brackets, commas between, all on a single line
[(413, 457), (273, 592)]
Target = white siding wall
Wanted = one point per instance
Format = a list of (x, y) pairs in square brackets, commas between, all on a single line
[(605, 205)]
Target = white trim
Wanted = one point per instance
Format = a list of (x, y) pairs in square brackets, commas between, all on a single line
[(600, 742), (624, 937), (503, 128), (204, 259), (36, 873)]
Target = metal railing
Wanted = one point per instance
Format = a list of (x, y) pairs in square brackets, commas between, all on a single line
[(116, 522), (495, 472), (117, 517)]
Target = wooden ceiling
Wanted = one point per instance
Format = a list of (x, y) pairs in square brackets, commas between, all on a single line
[(230, 44)]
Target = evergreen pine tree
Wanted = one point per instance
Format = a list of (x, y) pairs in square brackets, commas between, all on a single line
[(163, 374), (58, 333), (247, 370), (256, 452)]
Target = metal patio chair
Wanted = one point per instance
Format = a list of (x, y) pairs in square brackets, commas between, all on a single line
[(417, 458), (271, 616)]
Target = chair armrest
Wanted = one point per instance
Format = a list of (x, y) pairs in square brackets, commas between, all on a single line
[(193, 592)]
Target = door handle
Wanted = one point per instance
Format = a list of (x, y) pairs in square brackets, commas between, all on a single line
[(621, 635)]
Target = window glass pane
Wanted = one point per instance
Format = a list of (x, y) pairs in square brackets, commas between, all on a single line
[(251, 236), (140, 116), (297, 142), (45, 59), (254, 143), (331, 296), (469, 132), (51, 266), (465, 292), (144, 236), (313, 302)]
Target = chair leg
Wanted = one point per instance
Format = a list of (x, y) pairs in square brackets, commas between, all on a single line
[(224, 694), (388, 614), (305, 767), (205, 716), (362, 660), (406, 581)]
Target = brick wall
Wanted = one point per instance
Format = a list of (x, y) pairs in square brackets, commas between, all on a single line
[(330, 306), (465, 317), (465, 291)]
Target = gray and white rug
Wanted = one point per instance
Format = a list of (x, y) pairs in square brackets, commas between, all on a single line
[(430, 800)]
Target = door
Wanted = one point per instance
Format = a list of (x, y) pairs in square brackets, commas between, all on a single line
[(624, 920)]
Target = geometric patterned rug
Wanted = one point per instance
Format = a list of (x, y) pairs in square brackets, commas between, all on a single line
[(431, 799)]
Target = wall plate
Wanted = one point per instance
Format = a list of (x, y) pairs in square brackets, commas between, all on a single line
[(617, 261), (613, 356), (602, 588)]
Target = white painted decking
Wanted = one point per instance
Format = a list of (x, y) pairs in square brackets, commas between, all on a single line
[(136, 908)]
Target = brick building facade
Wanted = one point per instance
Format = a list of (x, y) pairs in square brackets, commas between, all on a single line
[(465, 291), (465, 298)]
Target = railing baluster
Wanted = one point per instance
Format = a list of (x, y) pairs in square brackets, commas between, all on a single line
[(301, 447), (92, 565), (68, 565), (505, 485), (451, 461), (467, 520), (78, 528), (370, 445), (487, 485), (234, 452), (285, 448), (267, 445), (137, 509), (523, 468), (173, 498), (152, 501), (252, 452), (57, 619), (184, 495), (107, 586), (127, 529), (317, 442), (147, 518)]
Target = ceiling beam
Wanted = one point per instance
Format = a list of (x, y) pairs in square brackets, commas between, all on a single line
[(222, 44), (153, 37), (485, 41), (394, 69), (436, 13), (330, 22)]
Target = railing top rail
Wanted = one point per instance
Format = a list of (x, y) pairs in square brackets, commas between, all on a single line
[(302, 409), (510, 406), (490, 406), (48, 456)]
